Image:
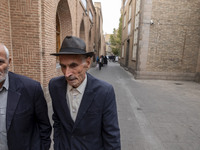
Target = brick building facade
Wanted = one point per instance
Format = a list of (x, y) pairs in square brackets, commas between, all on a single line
[(100, 43), (161, 39), (33, 29)]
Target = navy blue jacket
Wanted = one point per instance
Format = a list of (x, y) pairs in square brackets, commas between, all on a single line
[(27, 121), (96, 126)]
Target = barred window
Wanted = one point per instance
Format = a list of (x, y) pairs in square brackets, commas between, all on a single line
[(122, 50), (130, 6), (125, 3), (84, 2), (91, 16), (124, 20), (129, 28)]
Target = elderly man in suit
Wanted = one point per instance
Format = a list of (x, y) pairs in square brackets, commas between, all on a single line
[(85, 112), (24, 122)]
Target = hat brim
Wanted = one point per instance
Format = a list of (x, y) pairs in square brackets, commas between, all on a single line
[(89, 54)]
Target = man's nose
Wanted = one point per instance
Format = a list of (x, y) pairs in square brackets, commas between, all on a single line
[(68, 72)]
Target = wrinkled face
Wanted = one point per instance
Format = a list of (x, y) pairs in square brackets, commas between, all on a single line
[(4, 65), (74, 68)]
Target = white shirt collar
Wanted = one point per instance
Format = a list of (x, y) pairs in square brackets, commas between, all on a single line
[(81, 87), (6, 83)]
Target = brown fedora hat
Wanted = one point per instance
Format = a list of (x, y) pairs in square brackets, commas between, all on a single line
[(73, 45)]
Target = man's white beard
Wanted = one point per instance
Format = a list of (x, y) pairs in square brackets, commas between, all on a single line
[(3, 75)]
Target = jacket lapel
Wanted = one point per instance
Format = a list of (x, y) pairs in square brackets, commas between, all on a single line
[(64, 105), (87, 99), (63, 101), (12, 100)]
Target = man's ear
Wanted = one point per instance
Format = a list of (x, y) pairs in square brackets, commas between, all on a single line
[(87, 62), (9, 61)]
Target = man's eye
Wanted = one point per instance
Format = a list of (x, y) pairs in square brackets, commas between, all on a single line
[(62, 66), (1, 61), (73, 65)]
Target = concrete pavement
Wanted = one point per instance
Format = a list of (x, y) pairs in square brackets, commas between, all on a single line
[(154, 114)]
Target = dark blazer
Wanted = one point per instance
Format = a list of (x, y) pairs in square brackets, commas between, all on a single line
[(96, 126), (27, 122)]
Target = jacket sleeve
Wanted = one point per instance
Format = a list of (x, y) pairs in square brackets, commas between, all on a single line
[(56, 134), (110, 131), (41, 113), (56, 120)]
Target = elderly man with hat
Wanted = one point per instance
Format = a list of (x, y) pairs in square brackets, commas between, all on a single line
[(85, 111)]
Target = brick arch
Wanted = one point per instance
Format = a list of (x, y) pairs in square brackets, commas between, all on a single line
[(64, 17), (90, 41), (82, 30)]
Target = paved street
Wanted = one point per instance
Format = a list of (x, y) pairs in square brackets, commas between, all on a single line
[(154, 114)]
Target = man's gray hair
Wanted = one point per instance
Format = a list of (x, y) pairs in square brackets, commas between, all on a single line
[(7, 51)]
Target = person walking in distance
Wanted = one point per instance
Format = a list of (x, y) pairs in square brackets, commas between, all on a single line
[(101, 62)]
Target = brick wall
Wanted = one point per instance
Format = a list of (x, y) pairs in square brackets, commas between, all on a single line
[(100, 41), (5, 31), (28, 29), (127, 61), (26, 37), (65, 18), (70, 14), (97, 29), (49, 10), (92, 33), (174, 36), (168, 48)]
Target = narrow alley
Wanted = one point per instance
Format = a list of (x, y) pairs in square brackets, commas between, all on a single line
[(154, 114)]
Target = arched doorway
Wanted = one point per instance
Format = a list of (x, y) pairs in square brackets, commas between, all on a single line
[(63, 21), (82, 31), (58, 43)]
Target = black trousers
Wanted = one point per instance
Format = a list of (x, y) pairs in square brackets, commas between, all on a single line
[(100, 65)]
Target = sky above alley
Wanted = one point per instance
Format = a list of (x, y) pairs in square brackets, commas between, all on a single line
[(111, 14)]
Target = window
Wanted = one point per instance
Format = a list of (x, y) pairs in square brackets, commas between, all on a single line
[(135, 37), (129, 28), (137, 6), (137, 21), (90, 15), (134, 52), (135, 41), (125, 3), (84, 2), (129, 16), (122, 50), (124, 20), (136, 28)]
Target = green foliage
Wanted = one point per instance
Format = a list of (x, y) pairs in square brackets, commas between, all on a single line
[(115, 39)]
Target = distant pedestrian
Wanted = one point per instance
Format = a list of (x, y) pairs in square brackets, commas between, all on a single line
[(116, 58), (105, 60), (97, 59), (112, 58), (101, 60)]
